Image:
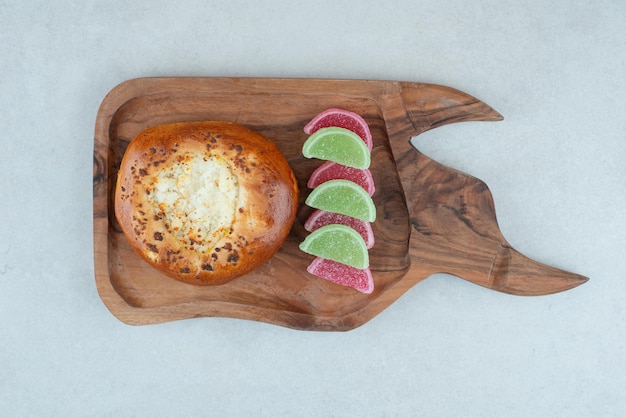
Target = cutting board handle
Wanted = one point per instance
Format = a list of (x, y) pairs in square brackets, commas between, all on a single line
[(453, 221)]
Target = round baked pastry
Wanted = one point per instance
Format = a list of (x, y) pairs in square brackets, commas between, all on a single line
[(205, 202)]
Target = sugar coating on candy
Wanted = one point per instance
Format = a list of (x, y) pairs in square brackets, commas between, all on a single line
[(339, 145), (343, 119), (320, 218), (341, 274), (342, 192), (345, 197), (331, 171), (337, 242)]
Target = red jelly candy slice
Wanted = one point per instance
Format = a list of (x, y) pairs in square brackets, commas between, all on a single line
[(342, 119), (342, 274), (333, 171)]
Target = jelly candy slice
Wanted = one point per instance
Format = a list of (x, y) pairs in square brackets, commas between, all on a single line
[(339, 145), (344, 197), (359, 279), (319, 218), (343, 119), (333, 171), (338, 243)]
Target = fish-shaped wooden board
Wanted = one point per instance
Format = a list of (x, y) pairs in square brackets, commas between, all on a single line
[(430, 218)]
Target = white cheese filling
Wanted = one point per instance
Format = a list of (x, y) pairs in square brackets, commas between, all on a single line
[(197, 199)]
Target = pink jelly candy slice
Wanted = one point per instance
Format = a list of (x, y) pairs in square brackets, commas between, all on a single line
[(342, 274), (333, 171), (342, 119), (319, 218)]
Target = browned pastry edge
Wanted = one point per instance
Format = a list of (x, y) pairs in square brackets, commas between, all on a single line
[(266, 208)]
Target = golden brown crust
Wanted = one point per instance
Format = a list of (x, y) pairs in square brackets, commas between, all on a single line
[(266, 205)]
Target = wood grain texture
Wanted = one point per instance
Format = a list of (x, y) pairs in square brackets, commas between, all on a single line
[(430, 219)]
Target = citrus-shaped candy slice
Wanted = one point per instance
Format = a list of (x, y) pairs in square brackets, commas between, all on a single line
[(359, 279), (339, 243), (339, 145), (344, 197), (319, 218), (332, 171), (343, 119)]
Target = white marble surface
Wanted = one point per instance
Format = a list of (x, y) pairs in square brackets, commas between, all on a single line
[(448, 348)]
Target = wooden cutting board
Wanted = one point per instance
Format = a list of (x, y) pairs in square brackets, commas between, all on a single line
[(430, 218)]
